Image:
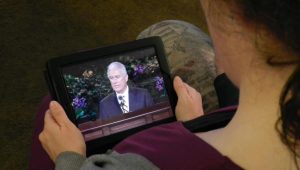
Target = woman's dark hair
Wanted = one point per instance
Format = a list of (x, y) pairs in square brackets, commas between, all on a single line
[(282, 19)]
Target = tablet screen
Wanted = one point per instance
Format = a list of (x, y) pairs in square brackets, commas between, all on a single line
[(114, 93)]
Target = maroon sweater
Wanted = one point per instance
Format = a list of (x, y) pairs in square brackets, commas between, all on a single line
[(172, 146), (168, 146)]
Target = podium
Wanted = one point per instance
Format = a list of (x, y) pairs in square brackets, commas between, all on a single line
[(100, 128)]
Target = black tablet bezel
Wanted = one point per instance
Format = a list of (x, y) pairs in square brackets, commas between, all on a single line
[(58, 90)]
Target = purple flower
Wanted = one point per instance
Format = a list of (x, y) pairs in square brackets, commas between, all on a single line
[(139, 69), (78, 102), (159, 83)]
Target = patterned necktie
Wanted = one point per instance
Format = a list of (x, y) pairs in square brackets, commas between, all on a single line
[(122, 104)]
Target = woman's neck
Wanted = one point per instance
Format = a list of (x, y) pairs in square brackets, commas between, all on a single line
[(260, 92), (252, 130)]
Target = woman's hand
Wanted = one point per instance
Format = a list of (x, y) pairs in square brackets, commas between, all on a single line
[(60, 134), (189, 104)]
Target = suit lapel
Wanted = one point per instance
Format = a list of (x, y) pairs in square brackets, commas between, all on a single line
[(131, 99), (117, 105)]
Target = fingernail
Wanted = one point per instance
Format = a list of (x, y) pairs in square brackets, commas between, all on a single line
[(178, 79), (52, 104)]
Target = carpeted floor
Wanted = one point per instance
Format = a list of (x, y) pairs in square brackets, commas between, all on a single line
[(32, 31)]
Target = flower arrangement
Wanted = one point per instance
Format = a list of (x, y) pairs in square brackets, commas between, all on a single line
[(145, 73), (85, 92)]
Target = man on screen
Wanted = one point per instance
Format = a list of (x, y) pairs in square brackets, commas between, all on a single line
[(124, 99)]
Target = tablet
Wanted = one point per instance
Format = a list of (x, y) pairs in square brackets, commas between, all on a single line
[(114, 91)]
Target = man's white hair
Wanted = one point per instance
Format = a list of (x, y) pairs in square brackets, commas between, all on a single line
[(117, 66)]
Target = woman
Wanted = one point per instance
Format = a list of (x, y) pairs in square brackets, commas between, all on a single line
[(257, 44)]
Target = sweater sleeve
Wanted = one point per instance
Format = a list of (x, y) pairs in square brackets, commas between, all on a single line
[(111, 160)]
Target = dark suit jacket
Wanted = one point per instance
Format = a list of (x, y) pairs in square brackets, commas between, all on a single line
[(138, 98)]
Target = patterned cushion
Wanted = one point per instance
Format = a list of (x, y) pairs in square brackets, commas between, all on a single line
[(190, 55)]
